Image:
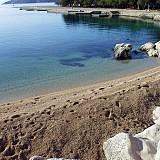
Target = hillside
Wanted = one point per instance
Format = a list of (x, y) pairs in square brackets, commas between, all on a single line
[(29, 1)]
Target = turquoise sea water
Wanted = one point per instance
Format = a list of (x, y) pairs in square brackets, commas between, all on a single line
[(42, 52)]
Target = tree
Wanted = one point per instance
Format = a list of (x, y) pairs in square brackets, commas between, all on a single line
[(140, 4)]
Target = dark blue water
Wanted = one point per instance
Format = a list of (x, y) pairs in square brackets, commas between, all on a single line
[(42, 52)]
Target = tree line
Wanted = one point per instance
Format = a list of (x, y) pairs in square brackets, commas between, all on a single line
[(134, 4)]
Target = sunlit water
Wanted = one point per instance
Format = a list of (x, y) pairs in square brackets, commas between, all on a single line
[(42, 52)]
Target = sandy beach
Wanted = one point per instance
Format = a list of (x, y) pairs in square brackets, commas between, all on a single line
[(74, 123)]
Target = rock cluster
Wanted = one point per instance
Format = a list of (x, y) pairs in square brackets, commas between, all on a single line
[(123, 51), (142, 146), (153, 50)]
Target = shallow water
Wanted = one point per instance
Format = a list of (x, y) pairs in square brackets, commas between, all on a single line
[(42, 52)]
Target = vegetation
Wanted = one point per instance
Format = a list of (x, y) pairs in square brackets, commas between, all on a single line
[(137, 4)]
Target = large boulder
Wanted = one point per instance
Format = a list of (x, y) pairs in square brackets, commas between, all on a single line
[(127, 147), (152, 133), (147, 46), (153, 50), (123, 51), (142, 146), (118, 147)]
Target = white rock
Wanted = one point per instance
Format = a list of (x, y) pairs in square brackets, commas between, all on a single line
[(156, 116), (123, 51), (117, 147), (126, 147), (153, 53), (118, 45), (147, 46), (157, 45), (152, 133), (158, 152), (142, 146), (37, 158), (158, 48), (146, 149), (156, 18), (42, 158), (147, 16)]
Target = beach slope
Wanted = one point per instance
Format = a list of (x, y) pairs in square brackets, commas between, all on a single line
[(75, 123)]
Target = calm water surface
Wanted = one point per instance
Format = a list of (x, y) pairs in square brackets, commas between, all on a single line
[(42, 52)]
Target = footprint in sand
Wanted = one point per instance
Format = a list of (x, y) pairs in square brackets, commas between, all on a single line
[(3, 143), (71, 111), (101, 89), (117, 103), (36, 98), (15, 116), (9, 151), (65, 106), (48, 112), (75, 103), (5, 121)]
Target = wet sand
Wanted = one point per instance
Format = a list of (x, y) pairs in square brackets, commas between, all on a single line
[(74, 123)]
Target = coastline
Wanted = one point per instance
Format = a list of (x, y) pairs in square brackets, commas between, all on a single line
[(70, 88), (75, 123), (63, 88), (112, 11), (88, 91)]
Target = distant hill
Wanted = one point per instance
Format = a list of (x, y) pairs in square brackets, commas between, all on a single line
[(29, 1)]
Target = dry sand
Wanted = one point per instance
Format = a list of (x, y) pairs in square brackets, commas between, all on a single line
[(75, 123)]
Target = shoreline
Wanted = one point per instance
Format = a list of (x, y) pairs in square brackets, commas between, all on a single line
[(65, 10), (144, 14), (88, 91), (80, 87), (69, 89)]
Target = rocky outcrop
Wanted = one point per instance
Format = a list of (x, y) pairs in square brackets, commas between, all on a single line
[(147, 46), (153, 50), (123, 51), (142, 146)]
